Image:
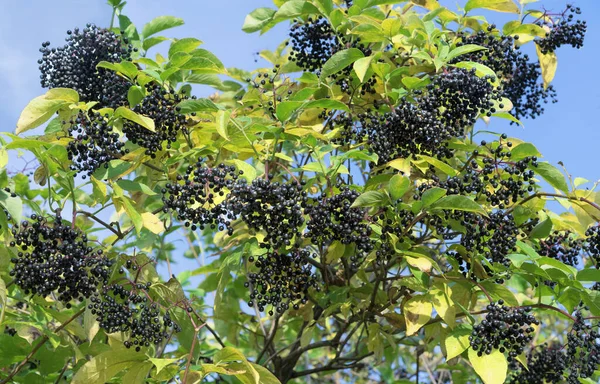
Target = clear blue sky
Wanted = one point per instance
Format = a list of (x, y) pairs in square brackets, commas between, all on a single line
[(567, 132)]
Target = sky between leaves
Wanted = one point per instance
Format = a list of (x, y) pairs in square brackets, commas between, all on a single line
[(567, 132)]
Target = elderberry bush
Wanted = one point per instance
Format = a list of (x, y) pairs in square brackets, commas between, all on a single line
[(198, 196), (273, 207), (443, 110), (562, 31), (521, 79), (128, 309), (74, 65), (160, 105), (282, 280), (94, 142), (54, 257), (505, 329), (333, 218)]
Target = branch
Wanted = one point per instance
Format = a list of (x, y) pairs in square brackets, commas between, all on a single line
[(270, 339), (42, 341)]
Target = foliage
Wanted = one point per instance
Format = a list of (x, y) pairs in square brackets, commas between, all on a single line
[(349, 221)]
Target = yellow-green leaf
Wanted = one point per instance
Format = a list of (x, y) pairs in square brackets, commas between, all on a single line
[(361, 66), (491, 368), (457, 341), (106, 365), (548, 64), (41, 109), (495, 5), (153, 223), (340, 60), (417, 312), (222, 121), (128, 114)]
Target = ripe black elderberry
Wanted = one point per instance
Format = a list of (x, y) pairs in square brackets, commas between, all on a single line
[(161, 106), (276, 209), (505, 329), (313, 43), (448, 105), (119, 309), (561, 246), (74, 66), (332, 218), (583, 350), (563, 31), (197, 197), (53, 257), (94, 143), (520, 78), (282, 280), (545, 365)]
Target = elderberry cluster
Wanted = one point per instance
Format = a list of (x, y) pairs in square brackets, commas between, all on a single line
[(276, 209), (94, 142), (561, 246), (282, 280), (196, 197), (54, 257), (583, 350), (520, 78), (118, 309), (592, 243), (494, 237), (451, 102), (333, 218), (545, 365), (505, 329), (74, 65), (563, 31), (160, 105)]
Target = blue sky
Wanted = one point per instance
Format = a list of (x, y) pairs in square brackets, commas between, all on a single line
[(567, 132)]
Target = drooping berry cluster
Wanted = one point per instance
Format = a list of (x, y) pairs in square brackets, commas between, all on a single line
[(161, 106), (333, 218), (276, 209), (198, 197), (494, 237), (54, 257), (562, 31), (313, 42), (119, 309), (448, 105), (491, 173), (520, 78), (583, 350), (505, 329), (592, 243), (282, 280), (561, 246), (74, 65), (94, 142), (545, 365)]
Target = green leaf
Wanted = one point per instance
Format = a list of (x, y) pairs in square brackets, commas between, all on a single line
[(462, 50), (448, 170), (370, 199), (222, 121), (160, 364), (286, 109), (340, 60), (417, 312), (105, 366), (257, 19), (491, 368), (481, 70), (137, 373), (41, 109), (128, 114), (458, 202), (14, 205), (185, 45), (160, 24), (523, 150), (327, 103), (90, 325), (457, 341), (541, 230), (151, 42), (589, 275), (230, 354), (198, 105), (135, 95), (495, 5), (398, 186), (552, 175), (432, 195), (132, 213)]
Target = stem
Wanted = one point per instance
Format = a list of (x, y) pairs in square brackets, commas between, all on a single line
[(270, 339), (190, 355), (42, 341)]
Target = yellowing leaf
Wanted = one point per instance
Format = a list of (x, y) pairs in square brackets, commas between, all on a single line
[(495, 5), (222, 122), (440, 298), (457, 341), (153, 223), (548, 64), (417, 312), (160, 364), (491, 368), (41, 109), (128, 114), (361, 66), (106, 365), (421, 263)]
